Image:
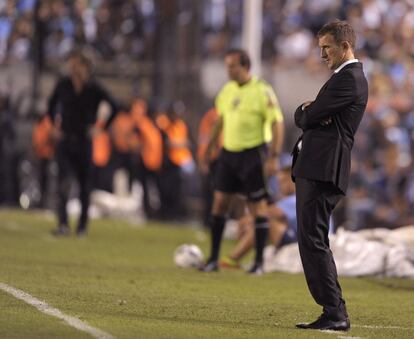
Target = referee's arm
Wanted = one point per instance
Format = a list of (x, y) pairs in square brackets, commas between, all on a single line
[(278, 134), (218, 127), (272, 161)]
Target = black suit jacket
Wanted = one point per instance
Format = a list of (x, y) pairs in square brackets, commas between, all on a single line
[(326, 150)]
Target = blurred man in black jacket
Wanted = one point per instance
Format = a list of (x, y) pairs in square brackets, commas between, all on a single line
[(73, 108)]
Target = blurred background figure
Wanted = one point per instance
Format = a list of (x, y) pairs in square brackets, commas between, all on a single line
[(150, 147), (126, 145), (44, 150), (207, 167), (73, 110), (138, 149), (177, 162), (9, 185)]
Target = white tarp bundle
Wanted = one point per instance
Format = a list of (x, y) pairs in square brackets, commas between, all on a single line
[(379, 251)]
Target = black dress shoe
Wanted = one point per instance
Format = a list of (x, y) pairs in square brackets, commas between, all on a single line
[(81, 232), (256, 269), (210, 266), (324, 323), (61, 231)]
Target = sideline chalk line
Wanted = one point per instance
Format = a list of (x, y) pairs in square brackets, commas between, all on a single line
[(344, 336), (54, 312), (384, 327)]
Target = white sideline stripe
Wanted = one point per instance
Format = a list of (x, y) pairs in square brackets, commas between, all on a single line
[(391, 327), (384, 327), (340, 336), (54, 312)]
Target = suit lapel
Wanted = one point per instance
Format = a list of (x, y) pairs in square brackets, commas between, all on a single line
[(324, 86), (332, 77)]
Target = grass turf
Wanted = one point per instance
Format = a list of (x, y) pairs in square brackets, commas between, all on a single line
[(121, 279)]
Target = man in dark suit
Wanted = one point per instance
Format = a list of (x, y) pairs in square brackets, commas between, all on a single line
[(73, 109), (321, 166)]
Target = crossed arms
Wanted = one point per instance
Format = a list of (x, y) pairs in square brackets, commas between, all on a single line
[(329, 102)]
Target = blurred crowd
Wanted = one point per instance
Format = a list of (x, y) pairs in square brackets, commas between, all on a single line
[(382, 189), (115, 30)]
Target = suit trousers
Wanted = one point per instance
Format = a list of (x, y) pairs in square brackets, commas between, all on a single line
[(315, 202), (75, 156)]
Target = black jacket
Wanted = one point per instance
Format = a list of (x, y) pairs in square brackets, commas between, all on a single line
[(78, 111), (326, 150)]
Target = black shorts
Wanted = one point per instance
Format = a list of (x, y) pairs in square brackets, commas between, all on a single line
[(242, 172)]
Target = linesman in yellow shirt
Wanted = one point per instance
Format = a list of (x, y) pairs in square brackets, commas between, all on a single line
[(252, 126)]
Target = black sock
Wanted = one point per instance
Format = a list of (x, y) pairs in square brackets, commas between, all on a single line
[(217, 227), (261, 233)]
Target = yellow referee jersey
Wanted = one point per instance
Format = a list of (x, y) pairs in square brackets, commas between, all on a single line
[(248, 113)]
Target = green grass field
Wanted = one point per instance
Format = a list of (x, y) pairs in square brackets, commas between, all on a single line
[(121, 279)]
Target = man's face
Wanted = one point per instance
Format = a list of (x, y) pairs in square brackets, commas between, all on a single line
[(234, 69), (331, 52), (78, 69)]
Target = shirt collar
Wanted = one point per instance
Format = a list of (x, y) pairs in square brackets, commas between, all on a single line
[(346, 63), (251, 80)]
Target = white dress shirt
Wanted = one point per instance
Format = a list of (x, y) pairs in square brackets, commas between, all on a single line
[(346, 63)]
